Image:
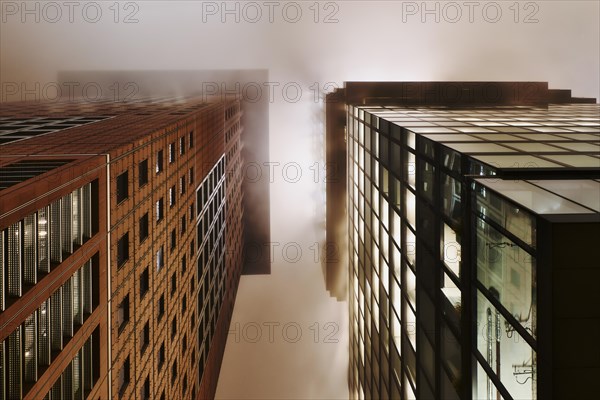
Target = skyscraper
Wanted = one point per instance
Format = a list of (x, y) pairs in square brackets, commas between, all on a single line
[(120, 247), (473, 218)]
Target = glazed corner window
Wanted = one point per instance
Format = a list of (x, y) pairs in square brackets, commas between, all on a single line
[(171, 152), (124, 376), (122, 187), (123, 313), (143, 172), (159, 161), (123, 250)]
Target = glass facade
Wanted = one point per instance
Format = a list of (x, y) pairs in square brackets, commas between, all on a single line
[(443, 264), (28, 351), (33, 246), (210, 226)]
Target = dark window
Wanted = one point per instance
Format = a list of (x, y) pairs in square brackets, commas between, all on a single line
[(143, 227), (173, 372), (172, 196), (144, 283), (185, 384), (161, 355), (193, 319), (191, 175), (173, 327), (183, 225), (173, 283), (145, 337), (159, 161), (173, 239), (183, 304), (192, 248), (123, 313), (122, 187), (183, 264), (171, 152), (191, 212), (146, 389), (123, 250), (191, 139), (124, 375), (162, 396), (182, 145), (161, 307), (182, 185), (143, 172), (159, 209)]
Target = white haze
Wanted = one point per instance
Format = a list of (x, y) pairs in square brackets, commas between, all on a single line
[(370, 42)]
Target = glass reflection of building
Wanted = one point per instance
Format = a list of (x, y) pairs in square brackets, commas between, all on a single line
[(458, 220)]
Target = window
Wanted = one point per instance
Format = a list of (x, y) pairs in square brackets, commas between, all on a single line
[(143, 227), (173, 372), (191, 139), (146, 389), (123, 313), (183, 264), (145, 337), (183, 304), (160, 261), (123, 250), (172, 196), (183, 225), (173, 283), (171, 153), (161, 306), (173, 240), (143, 172), (122, 187), (182, 185), (144, 283), (159, 209), (161, 356), (192, 248), (173, 327), (191, 175), (124, 375), (182, 145), (191, 212), (159, 162)]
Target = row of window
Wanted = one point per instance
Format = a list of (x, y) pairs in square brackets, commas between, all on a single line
[(30, 248), (28, 351)]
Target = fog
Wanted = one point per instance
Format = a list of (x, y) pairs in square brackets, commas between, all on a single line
[(305, 54)]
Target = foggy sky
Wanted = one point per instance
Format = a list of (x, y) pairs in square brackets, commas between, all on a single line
[(369, 41)]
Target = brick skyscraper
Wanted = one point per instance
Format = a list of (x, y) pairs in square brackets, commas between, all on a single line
[(120, 247)]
